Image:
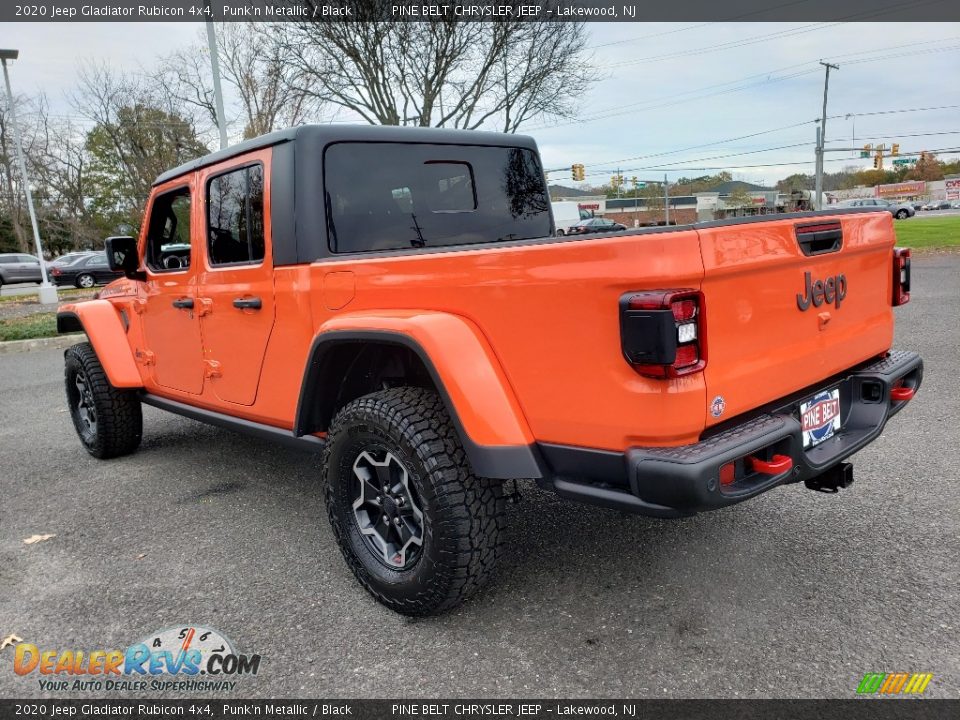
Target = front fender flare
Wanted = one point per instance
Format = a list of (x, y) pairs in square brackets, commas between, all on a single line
[(99, 320), (465, 371)]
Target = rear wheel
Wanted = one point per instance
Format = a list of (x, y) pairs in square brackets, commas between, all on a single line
[(901, 214), (108, 421), (86, 281), (417, 528)]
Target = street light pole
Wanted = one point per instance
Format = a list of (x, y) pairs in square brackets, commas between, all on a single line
[(215, 69), (821, 144), (48, 293)]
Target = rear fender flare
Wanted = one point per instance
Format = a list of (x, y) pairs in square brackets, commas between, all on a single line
[(100, 321), (464, 370)]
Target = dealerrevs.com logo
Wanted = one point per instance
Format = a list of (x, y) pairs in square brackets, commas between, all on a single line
[(188, 659)]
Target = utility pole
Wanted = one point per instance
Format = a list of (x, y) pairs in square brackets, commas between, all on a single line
[(666, 199), (48, 293), (215, 69), (822, 136)]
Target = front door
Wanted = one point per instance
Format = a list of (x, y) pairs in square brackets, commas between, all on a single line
[(237, 282), (171, 315)]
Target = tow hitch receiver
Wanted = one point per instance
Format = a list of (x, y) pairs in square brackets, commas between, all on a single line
[(840, 476)]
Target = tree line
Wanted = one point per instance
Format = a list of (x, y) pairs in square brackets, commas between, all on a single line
[(91, 169)]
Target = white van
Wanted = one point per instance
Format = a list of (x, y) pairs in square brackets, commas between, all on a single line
[(565, 214)]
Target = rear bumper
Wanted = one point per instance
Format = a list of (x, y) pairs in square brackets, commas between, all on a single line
[(678, 481)]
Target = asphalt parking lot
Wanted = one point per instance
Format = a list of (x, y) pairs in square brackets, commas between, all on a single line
[(795, 594)]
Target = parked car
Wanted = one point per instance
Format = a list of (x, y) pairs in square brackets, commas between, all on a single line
[(434, 357), (898, 210), (955, 205), (69, 258), (85, 272), (917, 205), (565, 214), (19, 268), (937, 205), (595, 225)]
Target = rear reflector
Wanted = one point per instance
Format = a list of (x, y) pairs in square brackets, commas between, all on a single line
[(728, 473), (901, 276)]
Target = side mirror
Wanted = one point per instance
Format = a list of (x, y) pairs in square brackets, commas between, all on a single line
[(122, 256)]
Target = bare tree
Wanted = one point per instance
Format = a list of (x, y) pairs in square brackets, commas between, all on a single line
[(448, 73), (137, 134), (268, 88)]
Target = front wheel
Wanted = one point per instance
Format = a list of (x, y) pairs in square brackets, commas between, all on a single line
[(108, 420), (417, 528)]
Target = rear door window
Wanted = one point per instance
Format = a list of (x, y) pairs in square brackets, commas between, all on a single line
[(392, 196), (235, 217)]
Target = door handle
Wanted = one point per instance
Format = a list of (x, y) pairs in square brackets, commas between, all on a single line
[(183, 303), (252, 303)]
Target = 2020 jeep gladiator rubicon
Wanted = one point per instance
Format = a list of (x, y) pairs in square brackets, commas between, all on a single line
[(396, 299)]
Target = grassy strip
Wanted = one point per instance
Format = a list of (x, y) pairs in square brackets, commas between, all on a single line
[(63, 294), (941, 232), (39, 325)]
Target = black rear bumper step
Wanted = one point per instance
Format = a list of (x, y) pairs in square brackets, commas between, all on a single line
[(679, 481)]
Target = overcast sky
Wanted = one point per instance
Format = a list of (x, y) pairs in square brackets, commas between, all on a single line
[(662, 88)]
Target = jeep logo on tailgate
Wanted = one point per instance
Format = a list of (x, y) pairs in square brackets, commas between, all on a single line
[(832, 290)]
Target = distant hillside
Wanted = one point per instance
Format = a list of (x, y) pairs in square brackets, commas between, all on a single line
[(564, 191)]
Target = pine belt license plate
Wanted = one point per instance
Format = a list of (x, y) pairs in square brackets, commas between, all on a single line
[(820, 417)]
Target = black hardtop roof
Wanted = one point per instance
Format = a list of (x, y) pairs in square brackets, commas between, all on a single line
[(369, 133)]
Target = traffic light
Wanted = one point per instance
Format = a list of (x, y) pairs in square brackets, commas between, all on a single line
[(576, 171), (895, 150), (878, 161)]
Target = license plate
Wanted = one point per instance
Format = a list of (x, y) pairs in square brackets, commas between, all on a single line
[(820, 417)]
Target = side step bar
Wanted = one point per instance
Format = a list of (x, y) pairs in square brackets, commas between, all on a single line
[(308, 443)]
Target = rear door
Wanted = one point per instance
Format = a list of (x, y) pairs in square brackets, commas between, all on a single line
[(237, 280), (785, 309), (170, 318)]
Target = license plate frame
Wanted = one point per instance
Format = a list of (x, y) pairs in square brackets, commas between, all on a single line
[(820, 417)]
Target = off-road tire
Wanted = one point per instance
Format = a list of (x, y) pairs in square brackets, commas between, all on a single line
[(463, 515), (119, 419)]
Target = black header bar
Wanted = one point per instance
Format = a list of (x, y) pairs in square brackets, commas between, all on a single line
[(480, 10)]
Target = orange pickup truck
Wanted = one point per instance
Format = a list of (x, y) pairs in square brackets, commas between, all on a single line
[(397, 299)]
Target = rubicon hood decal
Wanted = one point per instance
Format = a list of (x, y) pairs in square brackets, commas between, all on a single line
[(832, 290)]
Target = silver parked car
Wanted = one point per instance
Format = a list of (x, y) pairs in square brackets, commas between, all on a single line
[(898, 210), (19, 268)]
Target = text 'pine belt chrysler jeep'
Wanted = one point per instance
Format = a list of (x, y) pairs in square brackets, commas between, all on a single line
[(396, 299)]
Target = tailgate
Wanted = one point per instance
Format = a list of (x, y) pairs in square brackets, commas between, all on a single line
[(766, 333)]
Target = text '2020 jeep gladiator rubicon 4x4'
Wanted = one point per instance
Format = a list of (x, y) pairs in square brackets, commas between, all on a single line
[(396, 298)]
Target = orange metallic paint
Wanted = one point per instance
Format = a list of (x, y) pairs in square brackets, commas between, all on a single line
[(526, 338), (467, 366), (103, 326)]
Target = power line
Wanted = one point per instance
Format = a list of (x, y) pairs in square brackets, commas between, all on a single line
[(764, 165), (713, 92)]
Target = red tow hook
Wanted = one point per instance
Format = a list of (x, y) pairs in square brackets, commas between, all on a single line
[(779, 464), (901, 393)]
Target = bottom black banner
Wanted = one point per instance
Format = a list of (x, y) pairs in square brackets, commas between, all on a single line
[(862, 709)]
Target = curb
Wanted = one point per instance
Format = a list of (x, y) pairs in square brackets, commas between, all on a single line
[(49, 343)]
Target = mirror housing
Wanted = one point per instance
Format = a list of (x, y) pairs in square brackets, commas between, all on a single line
[(122, 256)]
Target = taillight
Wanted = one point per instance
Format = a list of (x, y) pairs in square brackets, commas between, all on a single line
[(55, 271), (901, 276), (662, 332)]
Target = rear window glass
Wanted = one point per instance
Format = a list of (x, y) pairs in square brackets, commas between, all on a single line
[(391, 196)]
